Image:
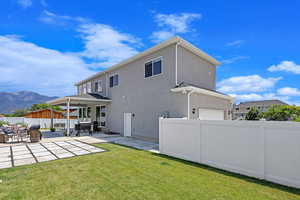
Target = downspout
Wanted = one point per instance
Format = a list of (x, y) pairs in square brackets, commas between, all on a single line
[(189, 103), (176, 63), (68, 116)]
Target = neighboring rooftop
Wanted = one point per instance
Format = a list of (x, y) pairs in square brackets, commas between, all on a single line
[(262, 102)]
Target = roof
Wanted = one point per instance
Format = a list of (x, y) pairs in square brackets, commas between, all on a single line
[(40, 110), (262, 102), (88, 98), (157, 47), (184, 87)]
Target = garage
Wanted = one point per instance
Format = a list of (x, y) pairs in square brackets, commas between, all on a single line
[(211, 114)]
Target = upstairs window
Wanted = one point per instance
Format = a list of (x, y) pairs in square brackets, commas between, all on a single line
[(114, 80), (84, 89), (153, 67), (89, 87), (98, 86)]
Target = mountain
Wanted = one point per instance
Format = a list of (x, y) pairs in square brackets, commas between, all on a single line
[(11, 101)]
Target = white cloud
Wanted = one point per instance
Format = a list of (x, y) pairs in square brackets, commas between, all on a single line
[(289, 91), (173, 24), (48, 17), (159, 36), (253, 83), (234, 59), (288, 66), (106, 45), (25, 3), (236, 43), (26, 66)]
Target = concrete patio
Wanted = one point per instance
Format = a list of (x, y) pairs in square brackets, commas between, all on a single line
[(25, 154), (53, 148)]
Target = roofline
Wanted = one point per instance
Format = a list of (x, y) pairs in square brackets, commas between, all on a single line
[(157, 47), (62, 99), (203, 91), (42, 110)]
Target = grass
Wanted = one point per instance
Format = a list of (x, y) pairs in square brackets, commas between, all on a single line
[(126, 173)]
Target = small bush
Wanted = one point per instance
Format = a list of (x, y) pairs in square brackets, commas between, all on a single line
[(3, 123), (52, 129)]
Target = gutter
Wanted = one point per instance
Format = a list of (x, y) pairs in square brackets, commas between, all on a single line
[(189, 102), (176, 63)]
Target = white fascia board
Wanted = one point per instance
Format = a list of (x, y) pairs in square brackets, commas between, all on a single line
[(202, 91)]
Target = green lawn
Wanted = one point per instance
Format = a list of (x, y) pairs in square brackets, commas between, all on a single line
[(126, 173)]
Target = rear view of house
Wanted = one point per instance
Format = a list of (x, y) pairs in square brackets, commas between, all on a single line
[(173, 79)]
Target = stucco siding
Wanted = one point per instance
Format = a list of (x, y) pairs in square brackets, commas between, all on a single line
[(147, 98), (209, 102), (194, 70)]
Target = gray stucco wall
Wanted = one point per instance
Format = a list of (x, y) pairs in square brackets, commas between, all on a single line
[(194, 70), (149, 98), (209, 102)]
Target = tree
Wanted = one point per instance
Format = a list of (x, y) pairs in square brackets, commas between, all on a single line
[(17, 113), (282, 113), (41, 106), (253, 114)]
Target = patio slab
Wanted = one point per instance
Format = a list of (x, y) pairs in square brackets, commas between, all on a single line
[(26, 154)]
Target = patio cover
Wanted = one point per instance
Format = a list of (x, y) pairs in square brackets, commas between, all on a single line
[(78, 101)]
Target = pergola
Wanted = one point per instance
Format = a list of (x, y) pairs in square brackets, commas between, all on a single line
[(85, 100)]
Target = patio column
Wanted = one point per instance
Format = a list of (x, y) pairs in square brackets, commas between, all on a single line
[(68, 117)]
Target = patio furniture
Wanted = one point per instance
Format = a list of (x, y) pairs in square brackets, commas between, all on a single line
[(3, 137), (22, 134), (83, 126), (34, 133)]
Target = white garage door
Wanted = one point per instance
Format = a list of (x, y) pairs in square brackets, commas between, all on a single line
[(211, 114)]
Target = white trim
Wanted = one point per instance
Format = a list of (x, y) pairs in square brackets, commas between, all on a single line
[(152, 60), (99, 81), (202, 91), (162, 45), (176, 63), (63, 99)]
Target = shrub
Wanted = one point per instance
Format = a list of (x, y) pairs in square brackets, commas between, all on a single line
[(3, 123), (52, 129), (282, 113), (253, 114)]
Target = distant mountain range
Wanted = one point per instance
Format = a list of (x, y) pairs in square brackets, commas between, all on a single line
[(11, 101)]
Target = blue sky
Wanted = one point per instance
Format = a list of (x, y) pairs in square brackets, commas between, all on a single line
[(46, 45)]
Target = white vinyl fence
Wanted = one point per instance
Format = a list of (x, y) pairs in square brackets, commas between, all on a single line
[(44, 123), (265, 150)]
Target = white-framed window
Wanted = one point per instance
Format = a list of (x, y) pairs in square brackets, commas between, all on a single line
[(98, 86), (114, 80), (153, 67), (84, 89), (80, 90), (89, 87)]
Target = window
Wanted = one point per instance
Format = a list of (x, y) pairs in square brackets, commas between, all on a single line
[(98, 86), (80, 90), (89, 112), (114, 80), (89, 87), (84, 89), (153, 67)]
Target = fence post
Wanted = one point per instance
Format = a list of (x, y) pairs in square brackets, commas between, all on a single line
[(160, 135)]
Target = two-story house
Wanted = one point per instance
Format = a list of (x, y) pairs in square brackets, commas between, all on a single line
[(172, 79)]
